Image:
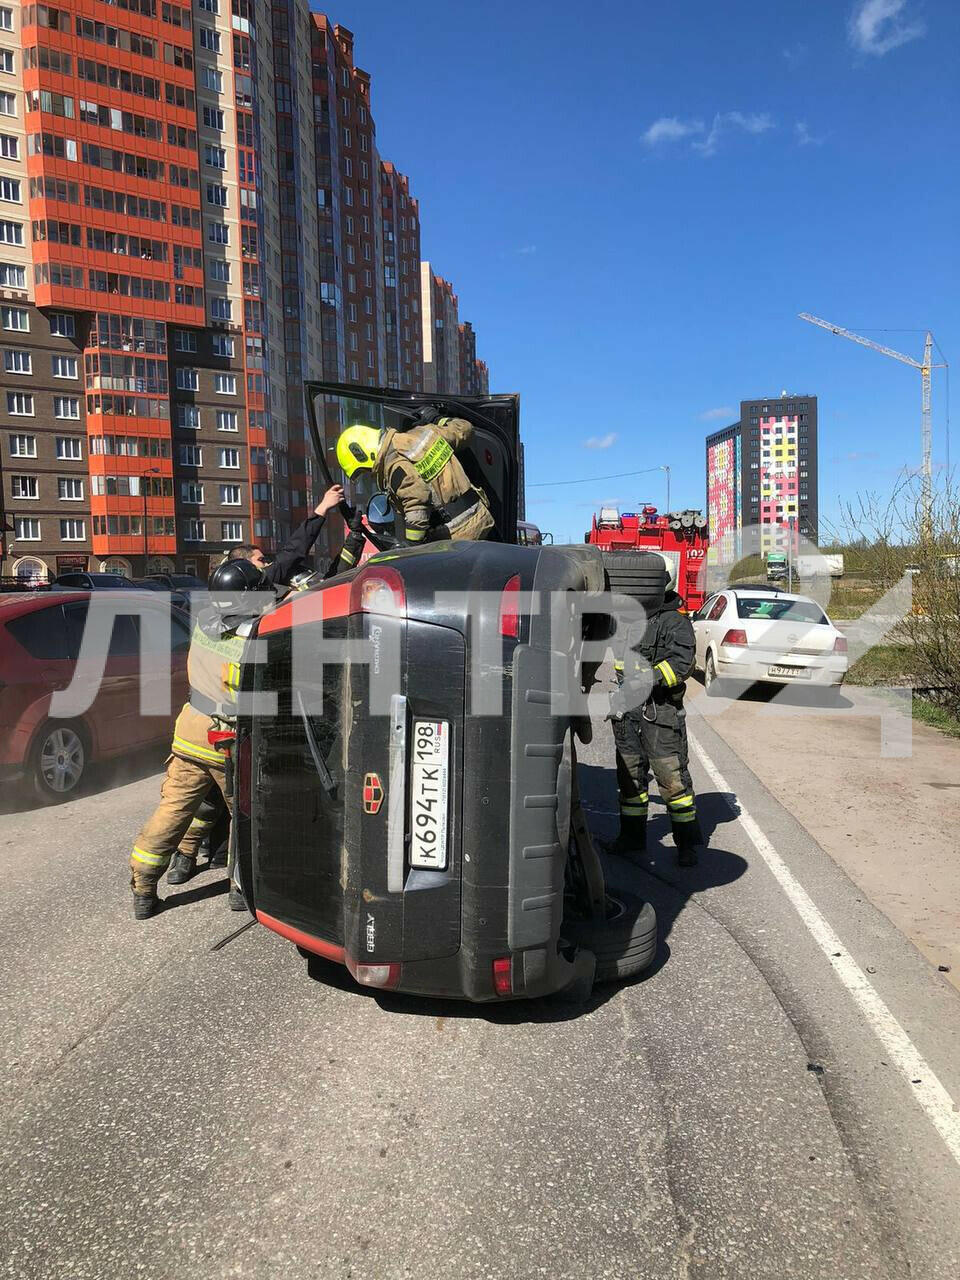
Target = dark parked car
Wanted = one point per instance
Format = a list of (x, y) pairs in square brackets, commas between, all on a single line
[(80, 580), (434, 849), (40, 639), (178, 581)]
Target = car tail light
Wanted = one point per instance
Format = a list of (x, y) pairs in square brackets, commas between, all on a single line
[(378, 589), (840, 644), (244, 762), (510, 609), (384, 976), (503, 976), (735, 636)]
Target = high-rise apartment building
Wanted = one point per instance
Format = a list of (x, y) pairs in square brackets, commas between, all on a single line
[(762, 471), (474, 378), (194, 218)]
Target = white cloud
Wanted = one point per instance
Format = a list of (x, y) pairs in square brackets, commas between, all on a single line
[(795, 54), (804, 137), (671, 129), (877, 26), (725, 121), (601, 442), (527, 248), (714, 415)]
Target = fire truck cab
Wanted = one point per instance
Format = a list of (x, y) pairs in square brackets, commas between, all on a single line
[(679, 536)]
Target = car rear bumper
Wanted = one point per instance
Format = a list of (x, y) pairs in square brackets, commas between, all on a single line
[(749, 669)]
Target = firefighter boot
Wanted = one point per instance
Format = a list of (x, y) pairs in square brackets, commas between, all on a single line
[(631, 843), (145, 906), (688, 840), (181, 868)]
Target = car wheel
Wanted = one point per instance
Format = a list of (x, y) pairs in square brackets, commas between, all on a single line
[(625, 943), (711, 681), (58, 760)]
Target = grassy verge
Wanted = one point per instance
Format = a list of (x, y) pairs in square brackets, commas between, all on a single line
[(884, 664), (936, 717)]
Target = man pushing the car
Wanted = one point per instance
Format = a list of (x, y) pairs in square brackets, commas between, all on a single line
[(196, 767)]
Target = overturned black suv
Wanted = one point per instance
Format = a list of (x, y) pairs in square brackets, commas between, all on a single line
[(406, 766)]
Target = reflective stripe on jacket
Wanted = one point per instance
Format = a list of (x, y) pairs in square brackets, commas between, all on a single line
[(421, 472)]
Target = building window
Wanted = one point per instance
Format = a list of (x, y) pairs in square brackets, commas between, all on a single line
[(211, 79), (73, 530), (195, 531), (15, 361), (231, 531), (70, 489), (190, 455), (24, 487), (9, 147), (10, 190), (188, 416), (225, 384), (220, 308), (209, 39), (219, 269), (66, 406), (213, 119), (6, 18), (216, 195), (69, 448), (20, 404), (187, 379), (184, 340), (222, 346), (230, 495), (12, 276), (11, 232), (64, 366), (62, 324), (191, 492), (228, 458), (218, 233), (15, 319), (8, 104), (226, 420), (215, 157), (26, 529)]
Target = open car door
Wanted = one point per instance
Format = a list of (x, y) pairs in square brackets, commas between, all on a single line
[(491, 460)]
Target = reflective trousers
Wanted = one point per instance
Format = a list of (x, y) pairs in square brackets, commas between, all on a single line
[(183, 791), (654, 738)]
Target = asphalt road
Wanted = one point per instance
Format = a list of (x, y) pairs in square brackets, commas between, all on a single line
[(174, 1110)]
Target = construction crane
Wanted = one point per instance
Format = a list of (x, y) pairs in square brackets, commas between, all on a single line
[(925, 366)]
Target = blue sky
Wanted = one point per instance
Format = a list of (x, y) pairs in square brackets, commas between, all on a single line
[(634, 200)]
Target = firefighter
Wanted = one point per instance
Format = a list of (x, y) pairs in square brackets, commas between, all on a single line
[(420, 472), (206, 818), (195, 768), (649, 727)]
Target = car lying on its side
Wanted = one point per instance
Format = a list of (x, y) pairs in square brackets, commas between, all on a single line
[(752, 635), (434, 846), (40, 653)]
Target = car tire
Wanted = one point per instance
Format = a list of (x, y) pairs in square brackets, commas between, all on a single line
[(711, 681), (58, 761), (625, 943)]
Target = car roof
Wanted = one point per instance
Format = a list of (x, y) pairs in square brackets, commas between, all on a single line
[(765, 591)]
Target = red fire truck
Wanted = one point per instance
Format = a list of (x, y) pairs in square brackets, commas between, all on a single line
[(679, 536)]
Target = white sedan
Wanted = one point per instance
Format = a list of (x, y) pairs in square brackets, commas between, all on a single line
[(751, 635)]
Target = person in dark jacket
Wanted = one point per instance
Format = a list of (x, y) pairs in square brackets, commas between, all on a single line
[(649, 728), (279, 571)]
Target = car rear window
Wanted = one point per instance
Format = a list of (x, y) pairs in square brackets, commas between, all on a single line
[(774, 610), (43, 633)]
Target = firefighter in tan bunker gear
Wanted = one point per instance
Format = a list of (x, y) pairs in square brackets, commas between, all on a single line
[(425, 480), (195, 768)]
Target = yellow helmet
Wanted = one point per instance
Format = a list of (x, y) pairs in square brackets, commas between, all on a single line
[(357, 448)]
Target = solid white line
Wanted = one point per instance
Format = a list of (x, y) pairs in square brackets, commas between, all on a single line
[(899, 1048)]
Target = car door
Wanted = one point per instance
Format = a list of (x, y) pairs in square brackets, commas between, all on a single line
[(699, 620), (491, 460), (713, 624), (115, 706)]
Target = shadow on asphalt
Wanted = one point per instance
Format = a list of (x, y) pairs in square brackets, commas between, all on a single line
[(789, 695), (100, 778), (656, 875), (214, 889)]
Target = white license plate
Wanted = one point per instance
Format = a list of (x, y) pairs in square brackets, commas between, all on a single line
[(793, 673), (428, 798)]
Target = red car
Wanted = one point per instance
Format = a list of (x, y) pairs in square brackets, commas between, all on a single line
[(40, 639)]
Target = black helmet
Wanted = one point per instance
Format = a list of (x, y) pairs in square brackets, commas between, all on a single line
[(236, 575)]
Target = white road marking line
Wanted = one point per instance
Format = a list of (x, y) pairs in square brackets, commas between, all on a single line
[(899, 1048)]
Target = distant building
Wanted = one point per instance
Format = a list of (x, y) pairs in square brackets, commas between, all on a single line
[(762, 470), (474, 380)]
